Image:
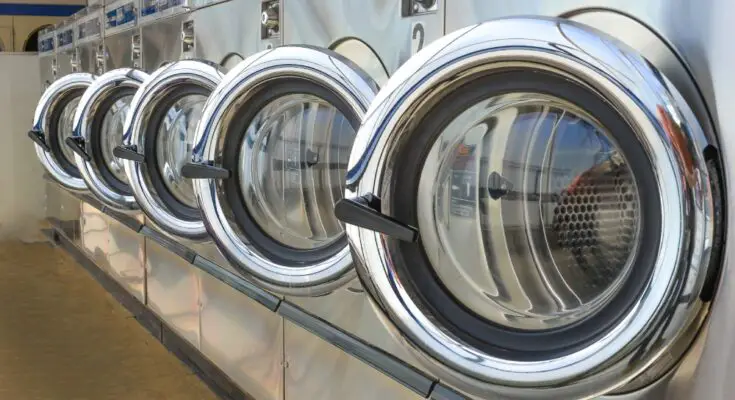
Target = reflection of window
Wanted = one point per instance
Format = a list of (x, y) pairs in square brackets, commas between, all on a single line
[(31, 43)]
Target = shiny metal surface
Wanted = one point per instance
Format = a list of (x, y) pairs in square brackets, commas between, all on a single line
[(95, 237), (161, 41), (323, 68), (103, 87), (126, 258), (50, 99), (243, 338), (644, 97), (162, 84), (65, 208), (326, 23), (118, 50), (173, 291), (318, 370), (228, 31)]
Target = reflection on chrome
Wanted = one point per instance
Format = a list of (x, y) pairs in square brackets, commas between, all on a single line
[(535, 177), (66, 128), (113, 124), (173, 147), (292, 166)]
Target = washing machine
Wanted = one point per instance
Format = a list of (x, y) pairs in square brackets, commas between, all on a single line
[(52, 124), (270, 159), (535, 203), (89, 50), (239, 335)]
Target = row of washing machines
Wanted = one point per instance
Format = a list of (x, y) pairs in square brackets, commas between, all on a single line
[(508, 207)]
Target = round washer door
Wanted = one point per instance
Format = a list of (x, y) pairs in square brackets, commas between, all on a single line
[(98, 129), (158, 141), (271, 154), (531, 207), (53, 122)]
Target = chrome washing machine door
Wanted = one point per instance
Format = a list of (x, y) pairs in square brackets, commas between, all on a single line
[(53, 122), (158, 140), (536, 210), (270, 158), (98, 129)]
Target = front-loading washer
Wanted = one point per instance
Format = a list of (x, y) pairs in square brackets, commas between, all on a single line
[(239, 335), (52, 124), (270, 162), (520, 193)]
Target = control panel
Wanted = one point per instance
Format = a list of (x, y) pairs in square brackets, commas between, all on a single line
[(120, 15), (154, 9), (88, 28)]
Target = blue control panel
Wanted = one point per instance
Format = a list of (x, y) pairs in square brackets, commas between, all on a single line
[(120, 16), (151, 7), (65, 37), (88, 28), (46, 44)]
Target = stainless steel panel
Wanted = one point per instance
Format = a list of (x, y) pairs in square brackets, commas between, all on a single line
[(228, 27), (243, 338), (318, 370), (47, 75), (95, 234), (118, 50), (126, 258), (211, 252), (87, 53), (378, 23), (350, 310), (64, 209), (63, 60), (161, 42), (173, 290)]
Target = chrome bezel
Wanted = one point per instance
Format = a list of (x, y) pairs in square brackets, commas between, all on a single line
[(153, 91), (102, 88), (320, 66), (44, 109), (664, 320)]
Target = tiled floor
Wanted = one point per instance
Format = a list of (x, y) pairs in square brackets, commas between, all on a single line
[(63, 337)]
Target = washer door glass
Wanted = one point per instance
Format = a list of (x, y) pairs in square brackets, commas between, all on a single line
[(284, 135), (174, 144), (113, 124)]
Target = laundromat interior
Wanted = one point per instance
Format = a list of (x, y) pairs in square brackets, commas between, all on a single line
[(350, 199)]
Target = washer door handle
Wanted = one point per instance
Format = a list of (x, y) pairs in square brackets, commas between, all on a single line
[(364, 212), (128, 153), (40, 139), (76, 143), (204, 171)]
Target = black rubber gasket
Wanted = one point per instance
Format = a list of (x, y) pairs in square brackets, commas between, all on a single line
[(52, 135), (94, 142), (264, 243), (150, 167), (420, 279)]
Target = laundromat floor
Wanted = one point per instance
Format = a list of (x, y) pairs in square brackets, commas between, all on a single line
[(62, 336)]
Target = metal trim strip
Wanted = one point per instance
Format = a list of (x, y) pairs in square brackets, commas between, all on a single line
[(266, 299), (441, 392), (177, 248), (394, 368)]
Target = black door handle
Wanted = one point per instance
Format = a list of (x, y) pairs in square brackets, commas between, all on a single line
[(39, 139), (204, 171), (364, 211), (76, 143), (128, 153)]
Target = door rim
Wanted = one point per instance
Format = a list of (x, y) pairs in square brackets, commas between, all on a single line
[(48, 102), (634, 88), (105, 87), (320, 66), (184, 72)]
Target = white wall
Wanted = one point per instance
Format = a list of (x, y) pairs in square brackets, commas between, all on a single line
[(22, 188)]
